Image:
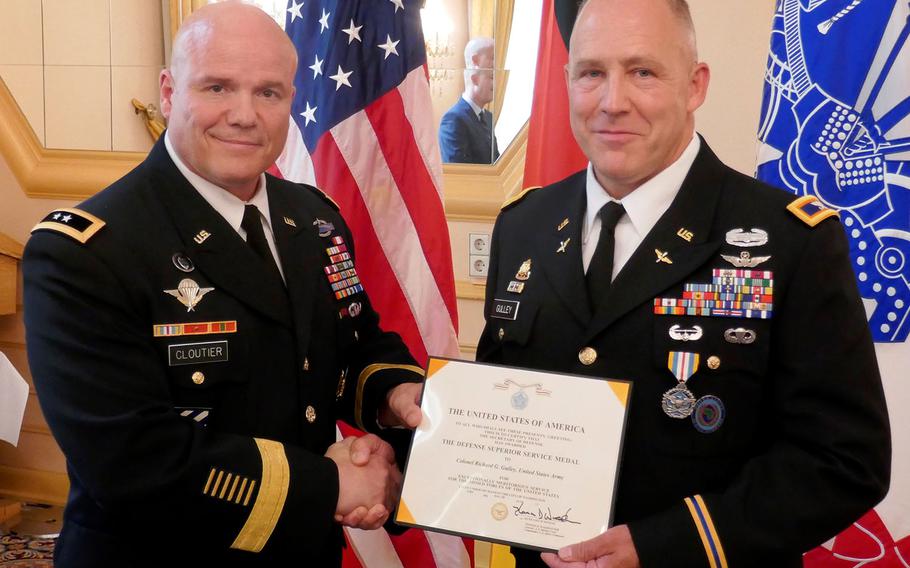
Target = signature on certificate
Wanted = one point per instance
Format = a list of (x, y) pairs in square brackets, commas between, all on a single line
[(519, 511)]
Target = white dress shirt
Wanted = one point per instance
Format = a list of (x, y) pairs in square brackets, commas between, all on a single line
[(644, 206), (227, 204)]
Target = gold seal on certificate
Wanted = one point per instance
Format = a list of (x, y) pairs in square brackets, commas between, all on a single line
[(514, 456)]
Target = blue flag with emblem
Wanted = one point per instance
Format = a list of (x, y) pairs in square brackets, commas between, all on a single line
[(835, 125)]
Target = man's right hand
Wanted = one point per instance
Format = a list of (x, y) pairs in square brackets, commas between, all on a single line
[(369, 482)]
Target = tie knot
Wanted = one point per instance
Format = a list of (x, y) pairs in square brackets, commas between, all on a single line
[(610, 215)]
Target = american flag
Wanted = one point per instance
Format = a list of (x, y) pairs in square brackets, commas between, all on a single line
[(362, 131)]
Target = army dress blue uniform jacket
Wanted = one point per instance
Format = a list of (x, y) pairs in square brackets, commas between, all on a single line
[(196, 436), (804, 446), (463, 139)]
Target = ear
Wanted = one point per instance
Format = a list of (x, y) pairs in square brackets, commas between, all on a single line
[(166, 91), (698, 86)]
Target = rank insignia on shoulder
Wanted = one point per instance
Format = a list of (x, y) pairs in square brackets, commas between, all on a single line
[(517, 198), (810, 211), (74, 223)]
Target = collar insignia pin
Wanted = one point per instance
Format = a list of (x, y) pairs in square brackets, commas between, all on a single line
[(188, 293), (563, 245), (662, 256), (563, 224), (685, 234), (201, 236), (289, 221)]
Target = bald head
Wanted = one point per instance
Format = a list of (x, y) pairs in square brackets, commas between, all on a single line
[(230, 18), (228, 94)]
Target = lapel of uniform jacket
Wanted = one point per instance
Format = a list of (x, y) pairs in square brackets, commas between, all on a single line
[(213, 245), (644, 276), (296, 242), (565, 270)]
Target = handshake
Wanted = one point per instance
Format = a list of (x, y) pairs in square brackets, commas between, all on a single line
[(369, 482)]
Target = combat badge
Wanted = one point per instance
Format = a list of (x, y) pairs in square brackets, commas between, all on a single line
[(74, 223), (188, 293), (324, 227), (745, 260), (753, 238)]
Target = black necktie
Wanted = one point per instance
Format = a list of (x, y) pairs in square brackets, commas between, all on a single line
[(255, 237), (600, 271)]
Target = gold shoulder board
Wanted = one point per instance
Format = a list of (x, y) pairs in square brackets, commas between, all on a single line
[(73, 223), (810, 211), (516, 198)]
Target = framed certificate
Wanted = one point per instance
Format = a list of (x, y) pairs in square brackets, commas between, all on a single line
[(514, 456)]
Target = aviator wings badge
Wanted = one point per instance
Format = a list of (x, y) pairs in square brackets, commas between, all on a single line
[(745, 260), (188, 293)]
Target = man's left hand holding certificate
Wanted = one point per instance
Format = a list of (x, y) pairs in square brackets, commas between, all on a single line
[(514, 456)]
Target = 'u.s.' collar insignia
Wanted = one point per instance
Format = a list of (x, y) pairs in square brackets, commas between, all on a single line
[(685, 234), (809, 210), (563, 224), (679, 333), (662, 256), (324, 227), (524, 271), (753, 238), (563, 245), (74, 223), (745, 260), (182, 262), (201, 236), (188, 293)]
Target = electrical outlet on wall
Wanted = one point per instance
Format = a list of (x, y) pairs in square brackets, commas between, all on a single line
[(479, 243), (478, 265)]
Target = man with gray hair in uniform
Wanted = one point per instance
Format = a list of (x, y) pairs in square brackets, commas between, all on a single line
[(752, 436)]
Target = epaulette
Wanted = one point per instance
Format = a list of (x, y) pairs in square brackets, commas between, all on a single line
[(74, 223), (809, 210), (326, 198), (516, 198)]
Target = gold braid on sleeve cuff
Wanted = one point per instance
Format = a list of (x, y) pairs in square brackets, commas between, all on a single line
[(269, 503)]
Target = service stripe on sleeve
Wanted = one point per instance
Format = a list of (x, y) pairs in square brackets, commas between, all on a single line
[(269, 503), (702, 518)]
